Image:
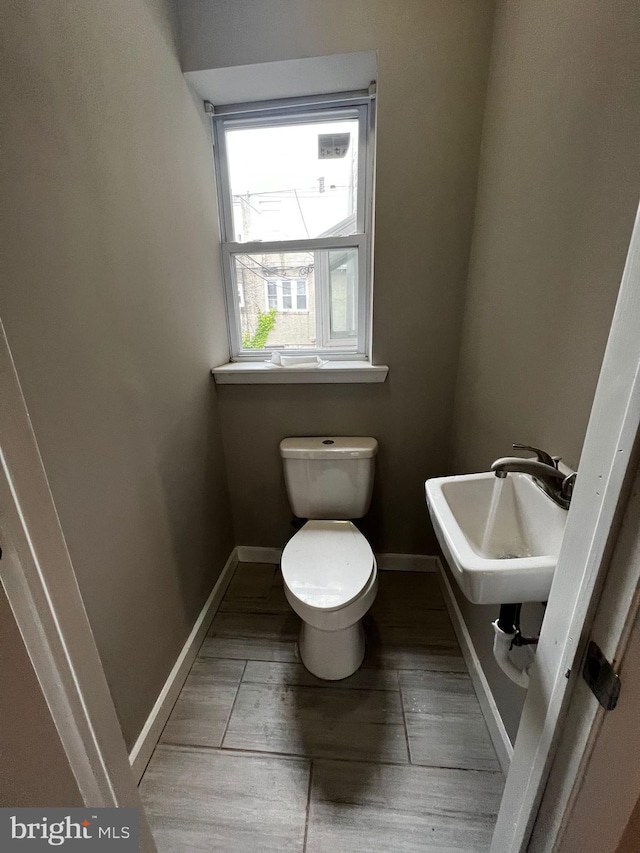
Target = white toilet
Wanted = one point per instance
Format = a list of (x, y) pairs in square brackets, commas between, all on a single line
[(328, 567)]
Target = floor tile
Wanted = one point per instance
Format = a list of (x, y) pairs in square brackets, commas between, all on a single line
[(200, 715), (408, 594), (266, 672), (265, 626), (253, 636), (359, 807), (205, 800), (251, 582), (329, 722), (410, 643), (409, 613), (256, 588), (275, 602), (433, 628), (445, 726), (243, 648), (421, 658)]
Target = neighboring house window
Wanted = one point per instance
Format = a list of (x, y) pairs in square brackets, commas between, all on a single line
[(295, 183), (286, 294)]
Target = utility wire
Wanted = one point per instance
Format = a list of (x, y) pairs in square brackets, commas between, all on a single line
[(301, 213), (266, 269), (293, 190)]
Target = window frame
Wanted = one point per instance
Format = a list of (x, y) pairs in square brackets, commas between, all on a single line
[(360, 105)]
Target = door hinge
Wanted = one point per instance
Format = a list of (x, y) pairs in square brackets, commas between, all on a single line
[(599, 674)]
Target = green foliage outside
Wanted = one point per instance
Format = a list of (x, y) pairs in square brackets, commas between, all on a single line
[(266, 322)]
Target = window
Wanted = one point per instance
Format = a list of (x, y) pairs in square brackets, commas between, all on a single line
[(286, 294), (295, 188)]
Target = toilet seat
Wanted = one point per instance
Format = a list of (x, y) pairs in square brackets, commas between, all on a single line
[(327, 564)]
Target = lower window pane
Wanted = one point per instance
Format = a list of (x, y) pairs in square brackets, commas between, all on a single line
[(303, 300)]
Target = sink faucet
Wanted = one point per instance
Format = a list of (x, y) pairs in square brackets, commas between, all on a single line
[(544, 470)]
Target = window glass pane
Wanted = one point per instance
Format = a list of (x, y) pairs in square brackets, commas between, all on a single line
[(311, 299), (343, 290), (272, 299), (295, 181), (301, 296)]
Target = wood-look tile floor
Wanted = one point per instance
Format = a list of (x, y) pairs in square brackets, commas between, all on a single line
[(259, 755)]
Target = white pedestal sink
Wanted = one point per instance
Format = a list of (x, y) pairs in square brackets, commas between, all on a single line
[(501, 537)]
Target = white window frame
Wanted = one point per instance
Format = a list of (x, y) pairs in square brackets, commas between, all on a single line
[(360, 105)]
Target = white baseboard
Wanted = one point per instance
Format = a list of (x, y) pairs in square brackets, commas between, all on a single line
[(156, 721), (495, 724), (389, 562)]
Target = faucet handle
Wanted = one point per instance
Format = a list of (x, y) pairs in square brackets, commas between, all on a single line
[(568, 485), (541, 455)]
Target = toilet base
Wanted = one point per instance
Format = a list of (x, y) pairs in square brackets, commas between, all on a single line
[(332, 655)]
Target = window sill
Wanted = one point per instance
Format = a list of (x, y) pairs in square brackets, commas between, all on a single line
[(258, 373)]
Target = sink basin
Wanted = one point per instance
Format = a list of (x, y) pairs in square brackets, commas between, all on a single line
[(501, 537)]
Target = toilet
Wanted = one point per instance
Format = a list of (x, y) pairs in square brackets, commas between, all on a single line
[(328, 567)]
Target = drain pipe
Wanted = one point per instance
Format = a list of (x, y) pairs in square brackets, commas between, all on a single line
[(507, 635)]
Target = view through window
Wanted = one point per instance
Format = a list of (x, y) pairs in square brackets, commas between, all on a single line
[(295, 198)]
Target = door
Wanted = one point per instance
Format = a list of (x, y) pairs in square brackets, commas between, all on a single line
[(599, 496), (594, 782), (40, 586)]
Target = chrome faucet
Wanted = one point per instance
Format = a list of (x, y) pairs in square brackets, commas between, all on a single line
[(543, 468)]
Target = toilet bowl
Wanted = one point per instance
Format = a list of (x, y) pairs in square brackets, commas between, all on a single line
[(330, 581)]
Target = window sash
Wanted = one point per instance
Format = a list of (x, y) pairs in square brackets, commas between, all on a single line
[(332, 349), (362, 240), (274, 119)]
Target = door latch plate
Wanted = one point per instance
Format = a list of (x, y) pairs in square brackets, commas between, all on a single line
[(600, 676)]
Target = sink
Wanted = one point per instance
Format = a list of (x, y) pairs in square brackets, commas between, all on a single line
[(500, 537)]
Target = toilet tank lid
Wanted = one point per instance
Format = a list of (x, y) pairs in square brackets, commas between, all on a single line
[(326, 446)]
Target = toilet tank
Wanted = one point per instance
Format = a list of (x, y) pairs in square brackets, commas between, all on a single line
[(329, 477)]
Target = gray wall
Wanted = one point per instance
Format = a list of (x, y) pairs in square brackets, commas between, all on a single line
[(432, 65), (114, 313), (557, 195), (629, 840), (29, 742)]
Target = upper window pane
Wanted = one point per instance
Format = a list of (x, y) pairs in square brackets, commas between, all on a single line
[(293, 181)]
